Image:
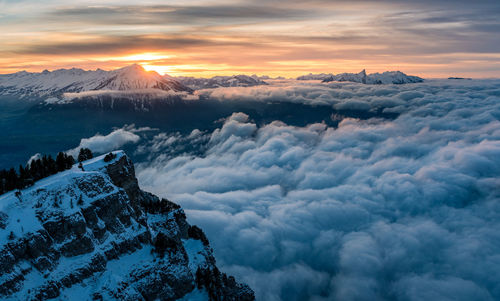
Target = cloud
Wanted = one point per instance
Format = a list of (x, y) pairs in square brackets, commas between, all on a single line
[(108, 44), (34, 157), (116, 94), (379, 209), (102, 144), (353, 96), (190, 14), (428, 38)]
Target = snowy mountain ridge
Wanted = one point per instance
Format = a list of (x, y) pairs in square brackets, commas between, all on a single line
[(92, 234), (311, 76), (221, 81), (57, 82), (385, 78)]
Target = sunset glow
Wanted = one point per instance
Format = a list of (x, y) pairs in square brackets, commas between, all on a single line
[(250, 150), (160, 69), (206, 38)]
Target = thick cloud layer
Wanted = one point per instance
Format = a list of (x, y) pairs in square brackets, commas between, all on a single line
[(112, 141), (403, 209)]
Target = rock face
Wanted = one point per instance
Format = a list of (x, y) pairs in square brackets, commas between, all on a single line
[(92, 234)]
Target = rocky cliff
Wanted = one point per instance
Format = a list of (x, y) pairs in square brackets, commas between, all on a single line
[(92, 234)]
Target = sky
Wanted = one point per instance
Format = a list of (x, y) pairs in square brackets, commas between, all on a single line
[(289, 38)]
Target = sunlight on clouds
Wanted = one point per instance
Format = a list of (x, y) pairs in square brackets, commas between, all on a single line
[(158, 69), (143, 57), (207, 38)]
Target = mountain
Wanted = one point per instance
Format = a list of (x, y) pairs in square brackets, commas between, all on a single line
[(220, 81), (93, 234), (459, 78), (57, 82), (134, 77), (388, 77), (311, 76)]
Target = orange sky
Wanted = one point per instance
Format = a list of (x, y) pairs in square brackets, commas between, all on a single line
[(206, 38)]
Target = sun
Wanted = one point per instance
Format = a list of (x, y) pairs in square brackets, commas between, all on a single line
[(159, 69), (150, 61)]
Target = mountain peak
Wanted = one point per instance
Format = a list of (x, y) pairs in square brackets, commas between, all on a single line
[(388, 77), (135, 77), (55, 83), (134, 67)]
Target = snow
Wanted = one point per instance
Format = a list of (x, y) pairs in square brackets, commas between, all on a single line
[(196, 295), (22, 218), (311, 76), (196, 253), (110, 278), (21, 212), (57, 82), (221, 81), (388, 77), (32, 280), (97, 163)]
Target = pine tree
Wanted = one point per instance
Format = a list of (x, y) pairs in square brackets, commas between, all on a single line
[(69, 161), (44, 168), (3, 179), (51, 166), (22, 176), (84, 154), (109, 157), (11, 180), (60, 162)]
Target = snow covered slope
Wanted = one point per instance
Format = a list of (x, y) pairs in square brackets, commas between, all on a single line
[(221, 81), (388, 77), (57, 82), (134, 77), (92, 234)]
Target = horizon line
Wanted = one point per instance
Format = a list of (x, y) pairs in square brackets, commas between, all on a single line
[(235, 73)]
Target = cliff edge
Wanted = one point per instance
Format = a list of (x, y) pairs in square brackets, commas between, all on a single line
[(92, 234)]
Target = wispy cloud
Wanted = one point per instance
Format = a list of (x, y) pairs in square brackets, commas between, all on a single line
[(257, 36)]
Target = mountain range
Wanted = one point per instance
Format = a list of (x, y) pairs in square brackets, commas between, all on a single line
[(58, 82), (221, 81), (388, 77), (135, 79), (131, 79)]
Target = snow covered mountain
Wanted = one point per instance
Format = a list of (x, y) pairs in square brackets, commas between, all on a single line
[(388, 77), (93, 234), (57, 82), (310, 76), (220, 81)]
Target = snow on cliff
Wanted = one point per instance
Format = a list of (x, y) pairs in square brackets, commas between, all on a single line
[(92, 234)]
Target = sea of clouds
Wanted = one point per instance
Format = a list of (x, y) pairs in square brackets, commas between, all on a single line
[(378, 209)]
